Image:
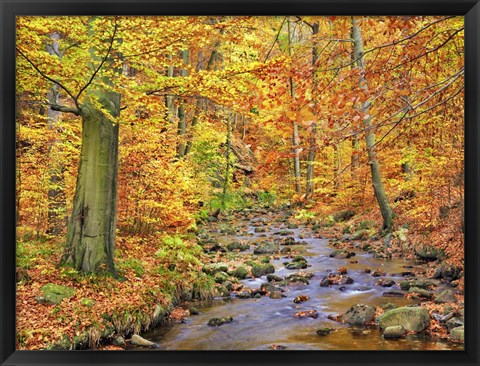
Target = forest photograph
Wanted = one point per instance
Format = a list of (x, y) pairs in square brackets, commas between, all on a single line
[(240, 183)]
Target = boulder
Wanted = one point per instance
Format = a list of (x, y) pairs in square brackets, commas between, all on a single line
[(325, 331), (221, 277), (394, 332), (385, 283), (457, 334), (269, 287), (296, 265), (445, 296), (414, 319), (235, 245), (341, 254), (289, 240), (359, 314), (259, 270), (214, 268), (54, 294), (448, 272), (240, 272), (405, 285), (274, 278), (142, 342), (266, 248), (216, 322), (453, 323), (420, 292), (359, 235), (119, 341)]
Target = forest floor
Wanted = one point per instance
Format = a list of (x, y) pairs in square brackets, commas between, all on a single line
[(269, 247)]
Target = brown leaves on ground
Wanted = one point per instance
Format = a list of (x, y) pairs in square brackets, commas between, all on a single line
[(307, 314)]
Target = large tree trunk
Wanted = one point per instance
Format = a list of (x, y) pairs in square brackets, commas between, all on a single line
[(378, 187), (91, 228)]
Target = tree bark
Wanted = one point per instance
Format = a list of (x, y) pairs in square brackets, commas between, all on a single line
[(56, 194), (378, 187), (312, 148), (91, 228), (182, 114), (295, 137)]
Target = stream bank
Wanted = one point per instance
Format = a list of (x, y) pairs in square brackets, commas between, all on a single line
[(281, 285)]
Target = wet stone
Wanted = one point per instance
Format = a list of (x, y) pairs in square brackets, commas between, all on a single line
[(385, 283), (216, 322), (325, 331)]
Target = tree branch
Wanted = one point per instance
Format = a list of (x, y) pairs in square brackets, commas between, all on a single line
[(65, 109), (103, 61), (49, 78)]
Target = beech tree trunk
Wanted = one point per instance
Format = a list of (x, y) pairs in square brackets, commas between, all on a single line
[(378, 188), (91, 227)]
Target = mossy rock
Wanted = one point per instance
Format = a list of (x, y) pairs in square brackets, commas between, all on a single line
[(325, 331), (359, 314), (221, 277), (237, 246), (445, 296), (54, 294), (296, 265), (259, 270), (214, 268), (222, 291), (359, 235), (216, 322), (414, 319), (266, 248), (343, 215), (240, 272), (405, 285), (388, 306), (457, 334), (420, 291), (429, 253), (394, 332)]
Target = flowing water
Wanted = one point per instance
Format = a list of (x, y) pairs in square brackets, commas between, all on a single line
[(262, 322)]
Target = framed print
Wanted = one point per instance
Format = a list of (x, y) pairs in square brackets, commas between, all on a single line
[(252, 182)]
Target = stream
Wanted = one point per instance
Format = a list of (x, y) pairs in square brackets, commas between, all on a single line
[(260, 323)]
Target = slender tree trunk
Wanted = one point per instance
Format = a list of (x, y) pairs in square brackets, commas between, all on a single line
[(56, 194), (182, 114), (378, 187), (91, 228), (226, 179), (337, 162), (295, 137), (202, 104), (312, 146), (169, 99)]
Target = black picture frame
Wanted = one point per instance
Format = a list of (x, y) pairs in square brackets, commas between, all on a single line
[(11, 8)]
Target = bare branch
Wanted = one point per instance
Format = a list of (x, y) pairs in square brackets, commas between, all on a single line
[(49, 78)]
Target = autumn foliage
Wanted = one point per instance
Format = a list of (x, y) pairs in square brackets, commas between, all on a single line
[(280, 88)]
